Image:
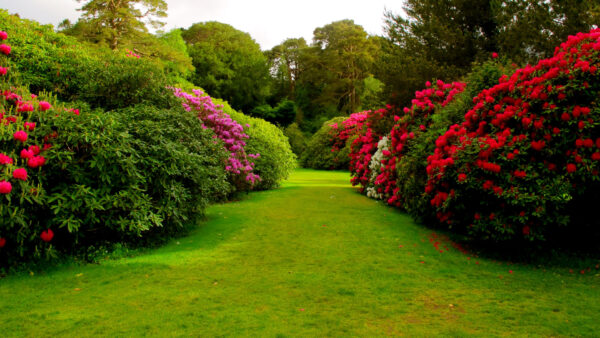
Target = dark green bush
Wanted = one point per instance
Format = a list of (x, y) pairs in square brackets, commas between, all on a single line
[(132, 173)]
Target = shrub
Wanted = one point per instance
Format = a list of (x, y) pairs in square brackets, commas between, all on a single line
[(73, 70), (319, 153), (276, 160), (296, 138), (526, 155)]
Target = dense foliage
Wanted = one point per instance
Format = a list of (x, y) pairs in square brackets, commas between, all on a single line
[(229, 64), (73, 70), (319, 153)]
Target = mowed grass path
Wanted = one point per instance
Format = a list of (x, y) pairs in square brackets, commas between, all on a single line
[(313, 258)]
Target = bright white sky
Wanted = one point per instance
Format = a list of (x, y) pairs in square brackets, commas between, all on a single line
[(269, 22)]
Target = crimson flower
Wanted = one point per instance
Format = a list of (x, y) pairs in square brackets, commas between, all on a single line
[(20, 174), (43, 105), (47, 235), (3, 35), (2, 242), (5, 187), (20, 136), (5, 49), (5, 159)]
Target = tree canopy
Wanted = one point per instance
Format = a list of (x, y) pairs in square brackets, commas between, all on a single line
[(229, 64), (113, 20)]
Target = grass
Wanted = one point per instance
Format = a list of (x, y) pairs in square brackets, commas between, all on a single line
[(312, 258)]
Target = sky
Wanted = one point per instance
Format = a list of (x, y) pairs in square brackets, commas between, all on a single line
[(269, 22)]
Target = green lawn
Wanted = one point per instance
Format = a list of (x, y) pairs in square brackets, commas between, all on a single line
[(313, 258)]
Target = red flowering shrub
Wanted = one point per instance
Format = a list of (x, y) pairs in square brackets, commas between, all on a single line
[(527, 151), (414, 121)]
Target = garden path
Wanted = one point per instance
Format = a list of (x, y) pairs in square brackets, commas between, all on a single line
[(312, 258)]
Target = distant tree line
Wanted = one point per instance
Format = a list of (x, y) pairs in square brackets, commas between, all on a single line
[(343, 70)]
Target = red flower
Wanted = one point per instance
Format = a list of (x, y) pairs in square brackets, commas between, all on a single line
[(596, 156), (5, 49), (5, 159), (20, 174), (5, 187), (2, 242), (29, 126), (3, 71), (47, 235), (36, 161), (20, 136), (538, 145), (462, 177), (494, 55), (35, 149), (3, 35), (26, 153), (571, 168), (526, 230)]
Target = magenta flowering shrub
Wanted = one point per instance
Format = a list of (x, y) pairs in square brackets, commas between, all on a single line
[(526, 159), (231, 133)]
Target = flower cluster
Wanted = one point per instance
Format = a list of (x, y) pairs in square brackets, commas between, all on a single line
[(226, 129), (131, 54)]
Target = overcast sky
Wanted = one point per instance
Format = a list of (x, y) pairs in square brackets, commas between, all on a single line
[(269, 22)]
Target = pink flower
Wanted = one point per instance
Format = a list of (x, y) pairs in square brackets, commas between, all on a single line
[(20, 136), (5, 159), (5, 49), (494, 55), (3, 35), (43, 106), (29, 126), (36, 161), (3, 71), (20, 174), (27, 153), (5, 187), (35, 149)]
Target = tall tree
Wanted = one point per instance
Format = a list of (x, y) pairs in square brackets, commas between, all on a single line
[(340, 59), (229, 64), (116, 19), (285, 65)]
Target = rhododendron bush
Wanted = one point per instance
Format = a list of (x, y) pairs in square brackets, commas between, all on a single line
[(73, 179), (520, 162), (527, 151)]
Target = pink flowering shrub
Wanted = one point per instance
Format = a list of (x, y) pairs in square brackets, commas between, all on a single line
[(525, 161), (231, 133), (376, 125)]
